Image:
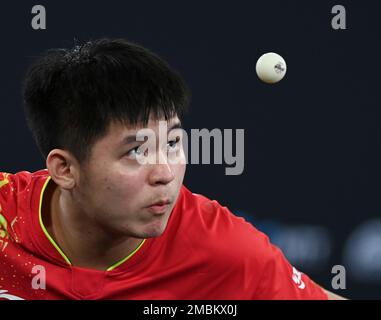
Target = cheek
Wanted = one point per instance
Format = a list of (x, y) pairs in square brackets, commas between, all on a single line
[(179, 172), (121, 185), (127, 185)]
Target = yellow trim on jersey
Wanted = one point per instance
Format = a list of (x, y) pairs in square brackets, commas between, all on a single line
[(59, 249), (43, 227), (126, 258)]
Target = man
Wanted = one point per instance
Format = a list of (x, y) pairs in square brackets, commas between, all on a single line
[(99, 224)]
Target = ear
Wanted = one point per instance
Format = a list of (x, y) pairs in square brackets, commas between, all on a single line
[(63, 168)]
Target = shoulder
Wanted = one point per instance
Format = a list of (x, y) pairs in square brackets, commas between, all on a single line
[(219, 230), (15, 183), (16, 188), (231, 245)]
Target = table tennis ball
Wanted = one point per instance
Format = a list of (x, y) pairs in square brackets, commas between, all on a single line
[(271, 67)]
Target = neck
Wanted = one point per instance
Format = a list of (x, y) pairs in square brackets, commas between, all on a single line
[(84, 242)]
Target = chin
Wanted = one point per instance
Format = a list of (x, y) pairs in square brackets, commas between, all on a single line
[(152, 235), (154, 230)]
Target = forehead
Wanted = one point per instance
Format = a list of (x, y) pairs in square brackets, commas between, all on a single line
[(121, 135), (118, 131), (117, 128)]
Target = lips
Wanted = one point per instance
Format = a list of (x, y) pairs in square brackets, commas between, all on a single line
[(159, 207), (161, 202)]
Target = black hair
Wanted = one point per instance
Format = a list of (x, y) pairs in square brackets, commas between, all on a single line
[(71, 96)]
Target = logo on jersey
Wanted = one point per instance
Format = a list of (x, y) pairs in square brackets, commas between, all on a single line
[(3, 232), (297, 277), (7, 296), (3, 226), (4, 180)]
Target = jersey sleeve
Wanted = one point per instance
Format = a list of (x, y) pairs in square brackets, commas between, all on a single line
[(11, 186), (7, 204), (244, 256), (278, 279)]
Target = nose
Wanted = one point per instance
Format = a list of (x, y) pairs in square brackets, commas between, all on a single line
[(161, 173)]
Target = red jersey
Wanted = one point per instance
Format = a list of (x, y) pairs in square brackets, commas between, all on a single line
[(205, 253)]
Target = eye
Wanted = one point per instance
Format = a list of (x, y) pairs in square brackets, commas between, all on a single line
[(173, 144), (135, 152)]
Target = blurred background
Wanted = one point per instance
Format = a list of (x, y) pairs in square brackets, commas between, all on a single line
[(311, 179)]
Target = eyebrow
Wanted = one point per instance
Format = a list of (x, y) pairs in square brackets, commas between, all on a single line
[(132, 138)]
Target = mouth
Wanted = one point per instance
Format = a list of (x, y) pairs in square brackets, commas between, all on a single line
[(160, 207)]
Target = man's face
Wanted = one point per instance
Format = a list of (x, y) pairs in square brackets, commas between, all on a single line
[(117, 191)]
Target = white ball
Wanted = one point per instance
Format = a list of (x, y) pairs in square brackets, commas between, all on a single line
[(271, 67)]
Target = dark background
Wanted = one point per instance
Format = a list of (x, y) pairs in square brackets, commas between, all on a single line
[(312, 141)]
